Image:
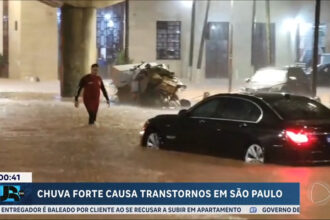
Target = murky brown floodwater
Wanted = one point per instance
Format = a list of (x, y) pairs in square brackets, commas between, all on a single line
[(51, 139)]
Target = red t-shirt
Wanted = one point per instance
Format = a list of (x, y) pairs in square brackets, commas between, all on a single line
[(92, 84)]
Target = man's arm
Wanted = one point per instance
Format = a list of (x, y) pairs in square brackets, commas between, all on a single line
[(80, 87), (104, 91)]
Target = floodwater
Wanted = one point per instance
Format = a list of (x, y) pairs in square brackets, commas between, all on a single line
[(43, 134), (51, 138)]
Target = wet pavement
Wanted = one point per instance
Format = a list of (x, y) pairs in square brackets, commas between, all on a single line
[(43, 134), (52, 139)]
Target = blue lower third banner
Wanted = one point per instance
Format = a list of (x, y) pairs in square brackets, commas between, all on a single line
[(150, 198)]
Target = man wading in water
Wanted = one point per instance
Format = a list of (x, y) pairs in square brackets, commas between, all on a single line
[(92, 84)]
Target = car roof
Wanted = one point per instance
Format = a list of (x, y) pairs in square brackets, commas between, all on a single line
[(262, 99), (285, 68), (272, 68), (267, 97), (324, 65)]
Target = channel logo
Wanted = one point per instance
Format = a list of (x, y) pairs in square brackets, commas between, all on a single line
[(253, 209), (11, 193), (320, 193)]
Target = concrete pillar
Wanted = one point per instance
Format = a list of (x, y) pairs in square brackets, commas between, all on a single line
[(78, 46)]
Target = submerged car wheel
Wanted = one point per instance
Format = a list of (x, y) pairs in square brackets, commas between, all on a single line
[(254, 154), (153, 141)]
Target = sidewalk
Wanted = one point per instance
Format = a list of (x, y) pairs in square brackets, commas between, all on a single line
[(23, 89), (195, 92), (14, 85)]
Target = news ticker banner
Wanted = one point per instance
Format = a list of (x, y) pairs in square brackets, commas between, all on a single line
[(149, 198)]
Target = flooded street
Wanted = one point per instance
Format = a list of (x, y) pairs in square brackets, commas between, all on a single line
[(51, 138), (268, 61)]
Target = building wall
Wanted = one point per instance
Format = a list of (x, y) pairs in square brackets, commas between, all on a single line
[(142, 29), (1, 26), (14, 15), (33, 47), (39, 48), (144, 14), (241, 20)]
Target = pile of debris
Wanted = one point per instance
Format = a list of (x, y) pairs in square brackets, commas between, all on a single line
[(148, 84)]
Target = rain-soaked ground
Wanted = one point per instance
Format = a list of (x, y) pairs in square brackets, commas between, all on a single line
[(39, 133)]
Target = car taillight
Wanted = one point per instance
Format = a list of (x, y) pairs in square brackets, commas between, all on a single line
[(299, 137)]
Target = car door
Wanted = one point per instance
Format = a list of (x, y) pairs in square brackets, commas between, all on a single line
[(298, 82), (237, 124), (323, 76), (197, 125)]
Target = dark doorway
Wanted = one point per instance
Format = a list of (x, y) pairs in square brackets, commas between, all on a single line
[(110, 37), (217, 44), (259, 46)]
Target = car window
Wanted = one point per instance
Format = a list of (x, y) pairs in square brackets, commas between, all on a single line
[(240, 109), (296, 72), (300, 108), (297, 75), (207, 109), (323, 68)]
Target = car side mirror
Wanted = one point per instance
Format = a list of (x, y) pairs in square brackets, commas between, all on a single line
[(185, 103), (183, 113), (316, 98), (247, 80)]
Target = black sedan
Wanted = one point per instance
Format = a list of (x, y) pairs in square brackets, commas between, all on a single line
[(255, 128)]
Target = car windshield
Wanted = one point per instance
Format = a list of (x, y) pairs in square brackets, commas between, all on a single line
[(269, 76), (300, 108)]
